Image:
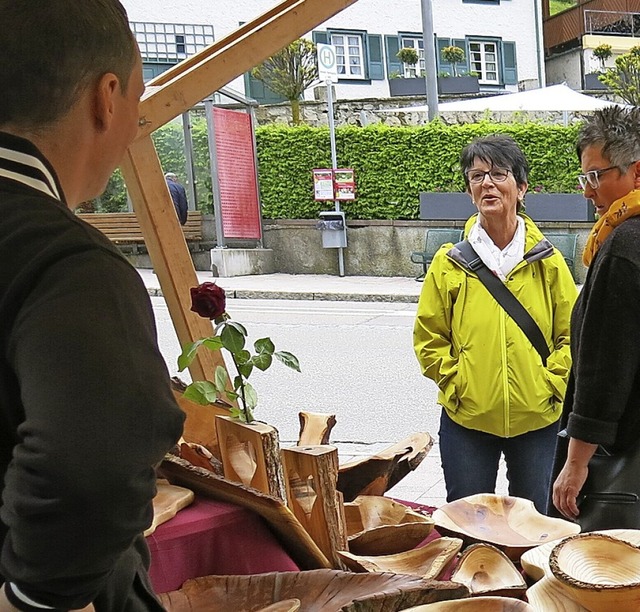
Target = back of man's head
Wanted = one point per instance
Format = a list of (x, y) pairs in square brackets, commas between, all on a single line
[(52, 50)]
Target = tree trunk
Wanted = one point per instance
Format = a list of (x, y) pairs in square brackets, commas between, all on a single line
[(295, 111)]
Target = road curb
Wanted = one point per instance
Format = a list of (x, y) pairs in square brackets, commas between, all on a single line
[(253, 294)]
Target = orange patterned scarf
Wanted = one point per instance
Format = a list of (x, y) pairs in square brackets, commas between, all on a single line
[(621, 210)]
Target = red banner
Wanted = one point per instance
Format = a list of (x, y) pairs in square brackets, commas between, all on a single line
[(237, 172)]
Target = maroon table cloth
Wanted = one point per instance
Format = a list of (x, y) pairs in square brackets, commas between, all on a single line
[(210, 537)]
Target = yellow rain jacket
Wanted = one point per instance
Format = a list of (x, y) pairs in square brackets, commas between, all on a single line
[(490, 377)]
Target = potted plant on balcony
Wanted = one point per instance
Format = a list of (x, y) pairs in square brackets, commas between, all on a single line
[(592, 80), (460, 83), (399, 85)]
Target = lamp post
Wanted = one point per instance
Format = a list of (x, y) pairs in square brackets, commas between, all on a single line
[(430, 73)]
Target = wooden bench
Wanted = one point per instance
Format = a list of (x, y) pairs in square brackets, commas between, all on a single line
[(124, 227)]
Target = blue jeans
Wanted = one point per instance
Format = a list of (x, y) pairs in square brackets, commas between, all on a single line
[(470, 461)]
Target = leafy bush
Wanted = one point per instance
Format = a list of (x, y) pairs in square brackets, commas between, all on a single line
[(392, 164)]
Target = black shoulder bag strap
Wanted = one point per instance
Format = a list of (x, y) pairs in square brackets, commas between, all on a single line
[(506, 299)]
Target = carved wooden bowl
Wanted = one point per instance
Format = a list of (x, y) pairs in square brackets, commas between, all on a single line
[(429, 561), (476, 604), (602, 573), (380, 526), (485, 570), (510, 523)]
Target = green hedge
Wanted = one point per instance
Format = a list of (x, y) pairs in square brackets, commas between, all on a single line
[(392, 164)]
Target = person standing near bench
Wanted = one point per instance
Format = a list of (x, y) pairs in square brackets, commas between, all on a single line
[(178, 195), (86, 406), (499, 394)]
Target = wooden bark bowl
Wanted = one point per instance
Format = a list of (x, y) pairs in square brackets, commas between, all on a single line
[(429, 561), (477, 604), (380, 526), (510, 523), (317, 590), (485, 570), (602, 573)]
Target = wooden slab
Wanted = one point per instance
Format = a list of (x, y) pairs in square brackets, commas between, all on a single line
[(548, 595), (169, 500), (318, 591), (294, 539)]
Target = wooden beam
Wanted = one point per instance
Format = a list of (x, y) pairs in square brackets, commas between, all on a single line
[(168, 250), (192, 80)]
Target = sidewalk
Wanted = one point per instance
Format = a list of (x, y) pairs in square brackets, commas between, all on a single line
[(307, 287)]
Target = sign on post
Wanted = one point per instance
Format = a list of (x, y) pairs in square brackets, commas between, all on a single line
[(327, 65)]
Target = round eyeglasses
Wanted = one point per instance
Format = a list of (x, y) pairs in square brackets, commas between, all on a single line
[(592, 178), (497, 175)]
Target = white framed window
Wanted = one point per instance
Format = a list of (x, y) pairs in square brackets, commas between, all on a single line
[(418, 44), (483, 60), (349, 55), (170, 42)]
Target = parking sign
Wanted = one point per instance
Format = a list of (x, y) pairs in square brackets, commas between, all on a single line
[(327, 67)]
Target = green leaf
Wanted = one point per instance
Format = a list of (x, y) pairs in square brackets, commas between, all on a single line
[(238, 327), (202, 392), (262, 361), (221, 379), (232, 339), (290, 360), (242, 357), (264, 345), (188, 354), (238, 413), (213, 343), (250, 396), (245, 369), (232, 395)]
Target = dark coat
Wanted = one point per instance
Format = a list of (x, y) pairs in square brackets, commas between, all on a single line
[(179, 197)]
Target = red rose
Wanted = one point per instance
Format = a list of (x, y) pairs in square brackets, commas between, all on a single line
[(208, 300)]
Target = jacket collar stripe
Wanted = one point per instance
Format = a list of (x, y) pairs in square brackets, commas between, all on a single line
[(32, 172)]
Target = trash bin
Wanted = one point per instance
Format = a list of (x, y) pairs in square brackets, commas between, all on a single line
[(333, 226)]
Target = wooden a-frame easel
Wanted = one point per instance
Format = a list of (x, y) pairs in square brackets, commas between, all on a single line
[(168, 96)]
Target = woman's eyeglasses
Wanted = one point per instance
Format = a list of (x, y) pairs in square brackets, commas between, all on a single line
[(592, 178), (497, 175)]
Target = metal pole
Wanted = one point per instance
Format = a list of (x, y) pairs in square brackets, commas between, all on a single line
[(431, 76), (188, 154), (215, 180), (334, 162)]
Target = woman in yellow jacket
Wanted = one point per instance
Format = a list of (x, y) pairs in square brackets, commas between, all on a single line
[(497, 394)]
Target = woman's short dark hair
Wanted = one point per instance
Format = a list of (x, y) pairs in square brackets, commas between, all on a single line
[(52, 50), (498, 151)]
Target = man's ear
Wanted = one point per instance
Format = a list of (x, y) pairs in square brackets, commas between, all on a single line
[(105, 92)]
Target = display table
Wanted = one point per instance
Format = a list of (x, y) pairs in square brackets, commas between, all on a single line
[(212, 537)]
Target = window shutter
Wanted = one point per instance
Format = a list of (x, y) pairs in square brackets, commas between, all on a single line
[(509, 63), (442, 65), (392, 44), (320, 37), (464, 65), (375, 66)]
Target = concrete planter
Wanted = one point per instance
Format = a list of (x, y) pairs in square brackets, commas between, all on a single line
[(458, 85), (407, 87), (592, 82), (446, 85)]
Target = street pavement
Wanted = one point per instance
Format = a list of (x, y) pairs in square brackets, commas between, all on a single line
[(425, 485)]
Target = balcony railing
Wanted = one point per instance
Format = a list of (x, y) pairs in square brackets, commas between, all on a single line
[(611, 17)]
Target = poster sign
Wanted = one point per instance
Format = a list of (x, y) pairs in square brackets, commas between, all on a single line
[(337, 184), (344, 184), (323, 184)]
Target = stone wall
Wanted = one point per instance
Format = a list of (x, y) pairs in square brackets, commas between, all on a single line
[(374, 248), (382, 110)]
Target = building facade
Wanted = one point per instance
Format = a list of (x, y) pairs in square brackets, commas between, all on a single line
[(501, 40)]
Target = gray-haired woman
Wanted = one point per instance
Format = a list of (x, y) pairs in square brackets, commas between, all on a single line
[(602, 407)]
